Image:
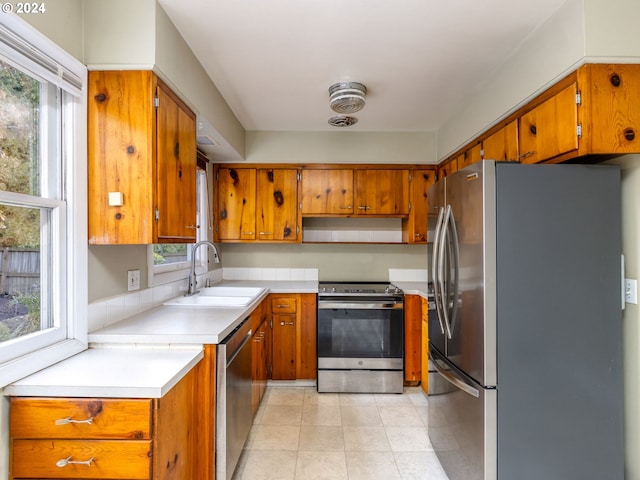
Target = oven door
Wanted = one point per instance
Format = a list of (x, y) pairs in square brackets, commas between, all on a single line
[(365, 333)]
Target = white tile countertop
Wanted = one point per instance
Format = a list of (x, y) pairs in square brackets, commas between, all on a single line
[(113, 373), (172, 324)]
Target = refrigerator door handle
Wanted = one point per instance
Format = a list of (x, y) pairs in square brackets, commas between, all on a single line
[(437, 292), (456, 270), (454, 379), (443, 258)]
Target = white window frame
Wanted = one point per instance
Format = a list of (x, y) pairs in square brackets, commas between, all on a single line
[(171, 272), (25, 47)]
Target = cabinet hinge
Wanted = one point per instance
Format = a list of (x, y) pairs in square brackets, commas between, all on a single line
[(482, 153), (579, 130), (410, 176), (156, 101), (157, 214), (300, 205), (299, 176), (271, 323), (579, 98), (410, 206)]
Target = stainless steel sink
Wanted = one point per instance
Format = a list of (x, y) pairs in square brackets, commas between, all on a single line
[(219, 297)]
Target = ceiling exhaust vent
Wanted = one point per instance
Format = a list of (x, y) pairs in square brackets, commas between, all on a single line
[(342, 121), (347, 97)]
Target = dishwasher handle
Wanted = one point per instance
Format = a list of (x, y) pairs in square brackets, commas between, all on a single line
[(234, 354)]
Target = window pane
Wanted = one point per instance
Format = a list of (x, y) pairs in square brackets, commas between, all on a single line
[(20, 272), (19, 118), (170, 253)]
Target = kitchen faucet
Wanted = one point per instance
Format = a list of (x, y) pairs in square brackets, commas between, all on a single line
[(192, 275)]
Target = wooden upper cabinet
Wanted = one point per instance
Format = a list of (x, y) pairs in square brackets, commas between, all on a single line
[(503, 144), (326, 192), (236, 204), (449, 167), (471, 156), (382, 192), (609, 112), (142, 154), (254, 204), (414, 227), (176, 170), (550, 129), (277, 212)]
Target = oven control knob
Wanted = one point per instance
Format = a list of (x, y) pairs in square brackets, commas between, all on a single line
[(386, 289), (333, 290), (397, 290)]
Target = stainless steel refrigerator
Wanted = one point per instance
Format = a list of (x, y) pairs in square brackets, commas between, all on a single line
[(526, 266)]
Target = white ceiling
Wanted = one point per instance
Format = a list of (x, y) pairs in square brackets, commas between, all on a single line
[(274, 60)]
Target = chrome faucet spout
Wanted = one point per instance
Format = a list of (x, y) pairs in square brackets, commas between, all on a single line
[(192, 275)]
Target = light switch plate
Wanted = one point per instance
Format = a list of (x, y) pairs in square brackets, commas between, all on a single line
[(631, 291), (133, 280)]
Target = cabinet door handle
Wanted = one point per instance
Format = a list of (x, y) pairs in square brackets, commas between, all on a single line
[(63, 462), (194, 227), (283, 305), (526, 154), (266, 233), (247, 233), (68, 420), (286, 323), (346, 207), (364, 207)]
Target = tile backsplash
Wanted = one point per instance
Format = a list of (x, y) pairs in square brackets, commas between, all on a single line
[(111, 310)]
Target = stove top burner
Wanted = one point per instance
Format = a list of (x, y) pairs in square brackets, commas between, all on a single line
[(358, 288)]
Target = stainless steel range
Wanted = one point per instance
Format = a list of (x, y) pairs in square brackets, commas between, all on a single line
[(360, 337)]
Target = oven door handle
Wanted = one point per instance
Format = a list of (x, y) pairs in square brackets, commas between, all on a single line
[(360, 306)]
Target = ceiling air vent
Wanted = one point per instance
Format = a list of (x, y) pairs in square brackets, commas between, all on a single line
[(347, 97), (342, 121)]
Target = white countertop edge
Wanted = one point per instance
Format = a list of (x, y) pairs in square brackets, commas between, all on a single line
[(68, 379)]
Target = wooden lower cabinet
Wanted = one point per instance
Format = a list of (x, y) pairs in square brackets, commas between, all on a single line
[(412, 339), (424, 360), (293, 336), (106, 438)]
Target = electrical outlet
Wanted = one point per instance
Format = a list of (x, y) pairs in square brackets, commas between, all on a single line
[(631, 291), (133, 280)]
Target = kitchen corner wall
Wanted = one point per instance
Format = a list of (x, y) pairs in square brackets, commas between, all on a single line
[(630, 167)]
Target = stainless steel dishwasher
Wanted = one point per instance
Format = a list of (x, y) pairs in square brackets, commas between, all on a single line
[(234, 414)]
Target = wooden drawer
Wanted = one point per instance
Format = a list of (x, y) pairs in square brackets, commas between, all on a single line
[(283, 304), (112, 459), (110, 418)]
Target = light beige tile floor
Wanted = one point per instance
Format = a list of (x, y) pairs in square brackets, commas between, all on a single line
[(299, 434)]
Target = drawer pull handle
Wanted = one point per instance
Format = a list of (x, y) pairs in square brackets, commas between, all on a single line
[(283, 305), (63, 462), (286, 323), (68, 420)]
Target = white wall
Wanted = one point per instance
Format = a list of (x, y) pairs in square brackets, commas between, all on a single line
[(340, 147), (630, 165)]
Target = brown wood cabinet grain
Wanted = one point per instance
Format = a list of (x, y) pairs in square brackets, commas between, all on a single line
[(382, 192), (425, 344), (412, 339), (236, 204), (448, 167), (415, 226), (609, 113), (126, 439), (293, 350), (549, 130), (276, 205), (471, 156), (306, 336), (143, 152), (503, 144), (326, 192)]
